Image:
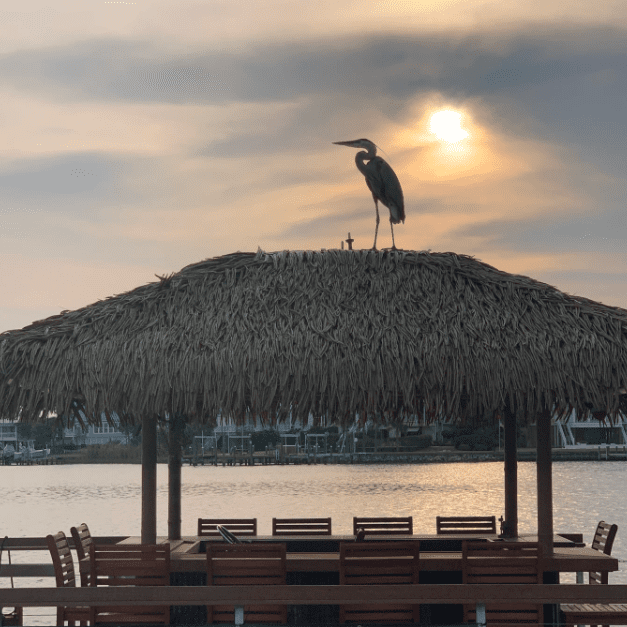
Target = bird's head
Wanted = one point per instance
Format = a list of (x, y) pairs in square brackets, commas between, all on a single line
[(360, 143)]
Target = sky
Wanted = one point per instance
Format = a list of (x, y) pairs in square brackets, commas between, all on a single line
[(140, 137)]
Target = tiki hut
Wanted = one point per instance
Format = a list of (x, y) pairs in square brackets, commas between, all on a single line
[(384, 334)]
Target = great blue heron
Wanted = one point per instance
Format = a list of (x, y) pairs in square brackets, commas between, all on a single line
[(382, 182)]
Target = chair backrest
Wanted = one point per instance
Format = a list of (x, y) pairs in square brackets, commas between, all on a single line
[(603, 541), (130, 565), (465, 524), (65, 578), (499, 563), (383, 526), (301, 526), (237, 526), (82, 541), (372, 563), (604, 537), (61, 560), (246, 564)]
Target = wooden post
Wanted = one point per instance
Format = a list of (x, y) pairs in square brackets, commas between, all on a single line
[(149, 480), (545, 483), (510, 449), (175, 432)]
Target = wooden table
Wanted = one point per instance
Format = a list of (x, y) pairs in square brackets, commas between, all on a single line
[(323, 553)]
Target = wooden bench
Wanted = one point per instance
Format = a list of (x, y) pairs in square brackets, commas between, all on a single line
[(594, 614), (465, 524), (381, 526), (301, 526), (237, 526)]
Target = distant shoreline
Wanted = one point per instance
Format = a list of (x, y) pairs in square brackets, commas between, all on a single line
[(108, 454)]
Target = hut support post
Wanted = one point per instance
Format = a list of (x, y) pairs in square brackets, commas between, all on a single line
[(545, 482), (149, 480), (510, 450), (175, 432)]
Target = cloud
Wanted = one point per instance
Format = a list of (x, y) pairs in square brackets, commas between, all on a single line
[(564, 83), (63, 181), (565, 232), (374, 66)]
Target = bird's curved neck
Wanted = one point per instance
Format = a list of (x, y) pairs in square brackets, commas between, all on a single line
[(363, 156)]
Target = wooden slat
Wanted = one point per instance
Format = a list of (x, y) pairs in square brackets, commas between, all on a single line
[(465, 524), (301, 526), (237, 526), (380, 525)]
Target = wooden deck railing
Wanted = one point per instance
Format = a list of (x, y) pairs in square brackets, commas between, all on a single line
[(313, 595), (40, 544), (37, 544)]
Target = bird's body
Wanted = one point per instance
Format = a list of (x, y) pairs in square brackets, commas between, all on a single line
[(382, 182)]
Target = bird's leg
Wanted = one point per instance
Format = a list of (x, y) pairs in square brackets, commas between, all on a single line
[(376, 231), (393, 244)]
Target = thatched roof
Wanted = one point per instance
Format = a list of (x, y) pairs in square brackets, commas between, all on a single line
[(331, 331)]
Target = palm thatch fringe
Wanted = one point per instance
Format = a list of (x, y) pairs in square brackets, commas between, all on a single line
[(335, 331)]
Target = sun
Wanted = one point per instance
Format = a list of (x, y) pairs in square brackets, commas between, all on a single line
[(446, 125)]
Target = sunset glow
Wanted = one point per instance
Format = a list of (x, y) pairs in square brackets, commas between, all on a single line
[(446, 125)]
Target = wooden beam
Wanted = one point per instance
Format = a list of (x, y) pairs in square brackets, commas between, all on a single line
[(32, 543), (510, 448), (544, 476), (149, 480), (175, 431), (312, 594)]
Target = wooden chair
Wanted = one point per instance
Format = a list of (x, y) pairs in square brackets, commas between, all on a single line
[(465, 524), (82, 541), (603, 541), (375, 563), (130, 565), (65, 577), (246, 564), (607, 614), (301, 526), (499, 563), (237, 526), (383, 526)]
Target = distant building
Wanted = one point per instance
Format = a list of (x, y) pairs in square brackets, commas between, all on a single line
[(8, 433), (100, 434)]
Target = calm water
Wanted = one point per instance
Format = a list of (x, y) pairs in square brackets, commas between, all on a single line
[(37, 500)]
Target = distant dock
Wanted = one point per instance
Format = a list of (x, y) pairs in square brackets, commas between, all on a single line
[(433, 455)]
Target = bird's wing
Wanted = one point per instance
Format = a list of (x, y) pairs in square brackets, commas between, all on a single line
[(385, 186)]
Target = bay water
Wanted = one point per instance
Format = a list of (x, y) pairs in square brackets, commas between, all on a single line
[(38, 500)]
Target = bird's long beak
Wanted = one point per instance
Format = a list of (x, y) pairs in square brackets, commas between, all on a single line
[(352, 144)]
